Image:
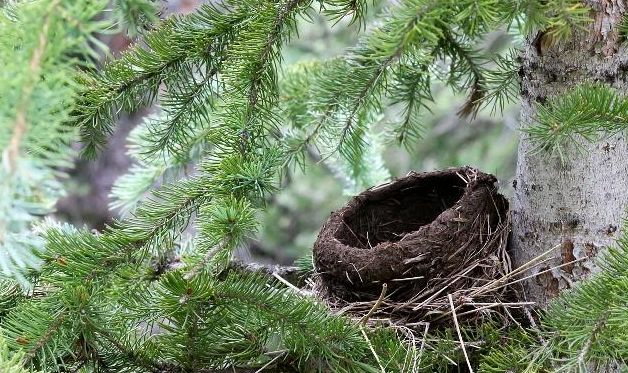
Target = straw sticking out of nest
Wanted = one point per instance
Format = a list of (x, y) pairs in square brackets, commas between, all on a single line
[(398, 250)]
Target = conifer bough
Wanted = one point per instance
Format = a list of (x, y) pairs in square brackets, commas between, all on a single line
[(142, 297)]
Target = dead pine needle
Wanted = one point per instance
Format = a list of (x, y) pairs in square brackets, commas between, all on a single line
[(453, 313), (368, 341), (270, 362), (288, 284)]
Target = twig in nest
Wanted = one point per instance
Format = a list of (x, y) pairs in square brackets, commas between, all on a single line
[(484, 306), (464, 350), (288, 284), (502, 281), (427, 327), (368, 341), (435, 295), (544, 271), (365, 318)]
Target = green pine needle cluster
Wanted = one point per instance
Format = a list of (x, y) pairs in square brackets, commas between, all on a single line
[(42, 43), (586, 113), (135, 16), (394, 64), (178, 319), (10, 362)]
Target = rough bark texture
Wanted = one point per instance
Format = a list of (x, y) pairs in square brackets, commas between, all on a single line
[(576, 206)]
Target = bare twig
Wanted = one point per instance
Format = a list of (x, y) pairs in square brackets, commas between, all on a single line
[(582, 357), (365, 318), (288, 284), (270, 362)]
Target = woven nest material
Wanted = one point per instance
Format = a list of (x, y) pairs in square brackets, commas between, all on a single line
[(402, 248)]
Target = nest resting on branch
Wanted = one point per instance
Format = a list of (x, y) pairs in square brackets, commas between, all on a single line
[(399, 251)]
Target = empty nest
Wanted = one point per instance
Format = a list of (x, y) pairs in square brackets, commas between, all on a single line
[(401, 250)]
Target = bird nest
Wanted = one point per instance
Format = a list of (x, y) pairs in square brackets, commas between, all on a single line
[(418, 248)]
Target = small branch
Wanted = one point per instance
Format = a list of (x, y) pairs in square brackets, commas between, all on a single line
[(273, 37), (269, 363), (50, 333), (289, 284), (200, 265), (20, 124), (382, 295), (136, 356), (379, 72), (582, 357)]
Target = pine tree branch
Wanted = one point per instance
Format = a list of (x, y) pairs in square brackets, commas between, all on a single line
[(272, 40), (45, 338), (589, 111), (134, 80), (34, 66), (582, 357), (41, 44), (170, 134), (173, 203), (412, 92), (264, 62), (381, 68), (137, 356), (470, 66), (501, 82)]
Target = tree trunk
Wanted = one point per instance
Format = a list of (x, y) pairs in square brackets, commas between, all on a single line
[(576, 206)]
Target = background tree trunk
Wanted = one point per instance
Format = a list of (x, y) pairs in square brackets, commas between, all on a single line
[(577, 205)]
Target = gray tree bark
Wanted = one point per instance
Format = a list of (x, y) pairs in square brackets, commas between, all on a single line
[(577, 206)]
